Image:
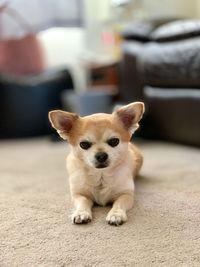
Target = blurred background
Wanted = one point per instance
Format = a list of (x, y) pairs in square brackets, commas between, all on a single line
[(88, 56)]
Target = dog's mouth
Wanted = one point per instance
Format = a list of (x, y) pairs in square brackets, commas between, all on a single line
[(101, 165)]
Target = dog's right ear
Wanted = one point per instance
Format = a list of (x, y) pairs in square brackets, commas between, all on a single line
[(63, 122)]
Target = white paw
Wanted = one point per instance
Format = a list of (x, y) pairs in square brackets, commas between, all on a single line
[(80, 217), (116, 217)]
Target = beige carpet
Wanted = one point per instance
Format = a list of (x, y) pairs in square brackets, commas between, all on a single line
[(163, 227)]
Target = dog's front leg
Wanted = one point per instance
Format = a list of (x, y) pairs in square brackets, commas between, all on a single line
[(117, 215), (83, 209)]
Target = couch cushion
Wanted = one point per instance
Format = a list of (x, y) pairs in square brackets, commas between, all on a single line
[(176, 30)]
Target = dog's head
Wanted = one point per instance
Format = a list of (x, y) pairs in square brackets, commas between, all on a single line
[(99, 140)]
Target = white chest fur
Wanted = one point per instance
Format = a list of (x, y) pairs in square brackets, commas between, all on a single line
[(102, 192), (105, 186), (101, 185)]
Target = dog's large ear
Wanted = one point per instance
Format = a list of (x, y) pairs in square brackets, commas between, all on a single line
[(130, 115), (63, 122)]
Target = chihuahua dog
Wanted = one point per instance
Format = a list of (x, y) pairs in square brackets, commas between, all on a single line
[(103, 162)]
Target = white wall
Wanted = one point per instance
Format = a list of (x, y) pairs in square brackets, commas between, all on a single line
[(182, 8), (97, 14), (159, 8), (198, 8)]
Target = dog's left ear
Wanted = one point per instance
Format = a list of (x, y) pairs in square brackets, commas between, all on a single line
[(130, 115)]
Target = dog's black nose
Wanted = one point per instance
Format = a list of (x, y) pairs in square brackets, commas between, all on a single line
[(101, 157)]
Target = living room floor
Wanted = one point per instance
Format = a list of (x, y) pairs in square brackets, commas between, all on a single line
[(162, 230)]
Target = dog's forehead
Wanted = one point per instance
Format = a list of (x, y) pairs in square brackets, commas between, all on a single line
[(101, 127), (97, 117), (98, 125)]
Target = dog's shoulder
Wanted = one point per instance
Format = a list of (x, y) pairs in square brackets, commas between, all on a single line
[(136, 156)]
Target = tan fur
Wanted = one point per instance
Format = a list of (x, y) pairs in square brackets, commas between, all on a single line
[(113, 183)]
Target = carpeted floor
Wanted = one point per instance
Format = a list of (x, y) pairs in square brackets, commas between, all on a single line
[(163, 227)]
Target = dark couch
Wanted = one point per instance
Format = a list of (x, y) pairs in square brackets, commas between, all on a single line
[(26, 100), (161, 66)]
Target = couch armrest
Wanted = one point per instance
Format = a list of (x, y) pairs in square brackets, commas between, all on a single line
[(130, 88)]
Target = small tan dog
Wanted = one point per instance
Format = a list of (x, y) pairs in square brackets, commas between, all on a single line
[(102, 163)]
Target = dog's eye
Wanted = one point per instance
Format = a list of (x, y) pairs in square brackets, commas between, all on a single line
[(85, 145), (113, 142)]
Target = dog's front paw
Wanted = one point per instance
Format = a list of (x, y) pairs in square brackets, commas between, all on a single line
[(116, 217), (81, 217)]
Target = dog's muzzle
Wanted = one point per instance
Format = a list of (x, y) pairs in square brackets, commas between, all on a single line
[(101, 160)]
